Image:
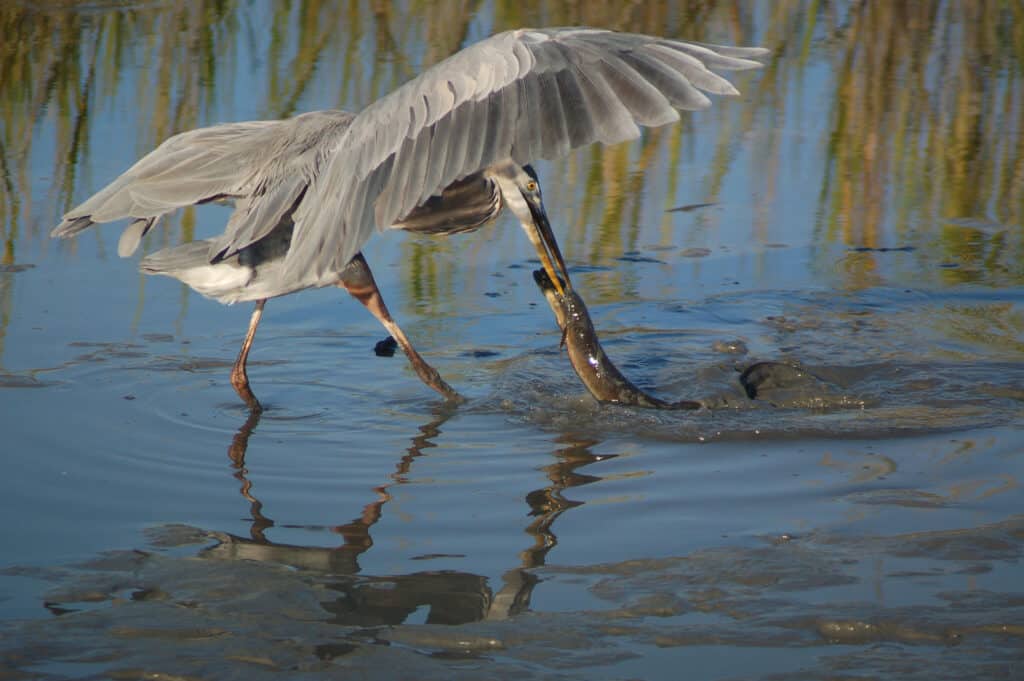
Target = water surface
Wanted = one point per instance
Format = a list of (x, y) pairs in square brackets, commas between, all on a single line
[(858, 211)]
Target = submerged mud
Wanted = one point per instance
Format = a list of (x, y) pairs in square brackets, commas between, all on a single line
[(198, 604)]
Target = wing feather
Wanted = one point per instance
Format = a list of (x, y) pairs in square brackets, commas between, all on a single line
[(578, 118), (645, 102), (713, 56), (554, 131), (475, 134), (522, 95), (441, 144), (264, 166), (527, 142), (691, 69), (419, 162), (456, 160), (678, 88), (505, 122), (188, 168), (612, 121)]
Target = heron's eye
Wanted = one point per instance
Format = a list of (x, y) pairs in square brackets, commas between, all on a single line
[(531, 186)]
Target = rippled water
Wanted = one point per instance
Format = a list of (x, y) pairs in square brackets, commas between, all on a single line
[(361, 526)]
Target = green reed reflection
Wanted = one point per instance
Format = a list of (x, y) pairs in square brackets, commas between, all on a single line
[(926, 127), (68, 63)]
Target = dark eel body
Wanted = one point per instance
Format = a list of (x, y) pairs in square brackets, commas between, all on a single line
[(602, 378)]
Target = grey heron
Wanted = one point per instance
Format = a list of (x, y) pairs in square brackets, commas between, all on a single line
[(444, 153)]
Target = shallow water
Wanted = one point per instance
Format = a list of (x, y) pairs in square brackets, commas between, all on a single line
[(853, 226)]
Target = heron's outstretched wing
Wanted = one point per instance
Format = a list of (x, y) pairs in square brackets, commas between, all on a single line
[(524, 95), (265, 166), (189, 168)]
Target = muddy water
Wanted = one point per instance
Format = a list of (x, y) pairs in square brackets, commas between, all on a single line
[(868, 527)]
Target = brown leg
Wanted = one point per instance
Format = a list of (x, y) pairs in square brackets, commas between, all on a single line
[(358, 280), (239, 379)]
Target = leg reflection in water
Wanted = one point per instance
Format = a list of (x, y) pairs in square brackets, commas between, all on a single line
[(546, 505), (236, 452), (452, 597)]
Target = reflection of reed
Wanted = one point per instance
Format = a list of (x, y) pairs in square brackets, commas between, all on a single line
[(927, 126), (65, 62)]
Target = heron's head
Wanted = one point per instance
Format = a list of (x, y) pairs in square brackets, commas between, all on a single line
[(520, 192), (531, 174)]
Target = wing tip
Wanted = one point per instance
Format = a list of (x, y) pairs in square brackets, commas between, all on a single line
[(71, 225), (736, 51), (754, 51), (723, 88), (745, 64)]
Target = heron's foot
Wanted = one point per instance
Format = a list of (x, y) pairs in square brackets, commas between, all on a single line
[(429, 375), (240, 382)]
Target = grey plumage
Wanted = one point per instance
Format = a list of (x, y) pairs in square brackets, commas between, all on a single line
[(326, 179), (264, 167)]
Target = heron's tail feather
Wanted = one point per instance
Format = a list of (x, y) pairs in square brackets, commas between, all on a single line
[(169, 261), (228, 281)]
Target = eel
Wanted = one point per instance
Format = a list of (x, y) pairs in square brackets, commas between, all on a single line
[(602, 378)]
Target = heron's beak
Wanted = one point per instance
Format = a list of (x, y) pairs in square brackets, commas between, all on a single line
[(547, 247)]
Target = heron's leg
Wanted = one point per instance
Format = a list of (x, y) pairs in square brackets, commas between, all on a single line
[(239, 379), (358, 280)]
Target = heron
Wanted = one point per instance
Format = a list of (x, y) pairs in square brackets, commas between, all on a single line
[(444, 153)]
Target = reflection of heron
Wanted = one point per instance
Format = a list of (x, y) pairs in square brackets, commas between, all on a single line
[(442, 154), (548, 503), (453, 597), (356, 534)]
